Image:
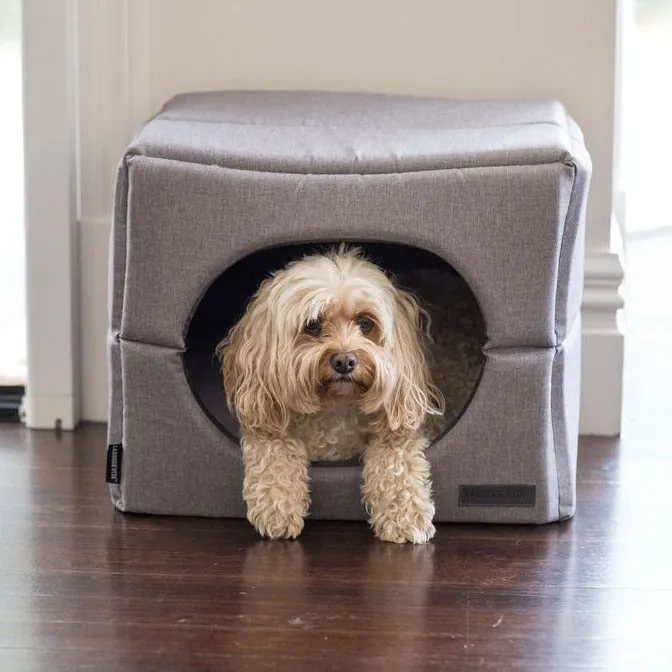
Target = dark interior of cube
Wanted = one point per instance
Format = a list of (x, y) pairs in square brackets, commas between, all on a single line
[(440, 289)]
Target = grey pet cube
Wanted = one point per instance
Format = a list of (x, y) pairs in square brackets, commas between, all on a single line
[(220, 188)]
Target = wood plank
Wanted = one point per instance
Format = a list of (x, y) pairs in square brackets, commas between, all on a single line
[(87, 588)]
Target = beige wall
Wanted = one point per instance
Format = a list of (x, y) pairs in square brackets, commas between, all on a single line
[(461, 48)]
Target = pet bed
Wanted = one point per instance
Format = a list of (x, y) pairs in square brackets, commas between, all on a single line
[(477, 206)]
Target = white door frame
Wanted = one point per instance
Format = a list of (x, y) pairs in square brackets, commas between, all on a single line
[(50, 148)]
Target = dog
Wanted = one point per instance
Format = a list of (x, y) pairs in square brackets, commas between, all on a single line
[(330, 361)]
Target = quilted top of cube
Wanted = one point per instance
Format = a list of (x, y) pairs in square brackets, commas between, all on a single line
[(356, 133)]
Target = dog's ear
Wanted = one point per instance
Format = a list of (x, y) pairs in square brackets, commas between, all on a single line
[(414, 395), (250, 372)]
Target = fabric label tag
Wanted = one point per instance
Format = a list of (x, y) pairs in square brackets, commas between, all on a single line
[(114, 457), (498, 495)]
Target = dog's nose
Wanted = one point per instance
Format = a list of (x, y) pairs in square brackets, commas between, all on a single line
[(344, 362)]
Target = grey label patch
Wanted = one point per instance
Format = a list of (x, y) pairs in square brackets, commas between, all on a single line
[(498, 495)]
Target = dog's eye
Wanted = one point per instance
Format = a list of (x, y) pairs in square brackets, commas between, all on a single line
[(365, 324), (313, 327)]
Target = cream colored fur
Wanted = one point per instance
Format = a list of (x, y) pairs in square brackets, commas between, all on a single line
[(293, 408)]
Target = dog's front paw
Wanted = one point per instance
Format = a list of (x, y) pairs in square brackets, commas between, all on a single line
[(414, 527), (275, 486), (397, 491), (275, 522)]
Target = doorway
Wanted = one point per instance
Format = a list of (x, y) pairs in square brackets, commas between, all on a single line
[(12, 243), (647, 146)]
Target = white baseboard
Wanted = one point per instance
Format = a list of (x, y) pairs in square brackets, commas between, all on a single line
[(603, 345), (44, 412), (601, 383)]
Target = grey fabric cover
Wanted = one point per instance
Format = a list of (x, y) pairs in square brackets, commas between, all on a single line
[(497, 189)]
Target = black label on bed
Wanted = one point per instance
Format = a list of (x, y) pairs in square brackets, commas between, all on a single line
[(114, 456), (498, 495)]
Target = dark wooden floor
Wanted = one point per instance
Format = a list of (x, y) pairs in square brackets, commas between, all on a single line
[(85, 588)]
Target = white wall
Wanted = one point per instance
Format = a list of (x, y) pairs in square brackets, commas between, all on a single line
[(452, 48)]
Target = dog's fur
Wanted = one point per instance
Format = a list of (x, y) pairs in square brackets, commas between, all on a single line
[(293, 407)]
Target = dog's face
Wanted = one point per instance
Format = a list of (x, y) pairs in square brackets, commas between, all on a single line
[(342, 324), (344, 342), (328, 329)]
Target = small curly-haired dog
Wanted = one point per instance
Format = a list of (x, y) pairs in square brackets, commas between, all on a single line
[(329, 362)]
